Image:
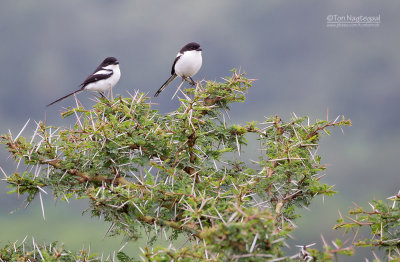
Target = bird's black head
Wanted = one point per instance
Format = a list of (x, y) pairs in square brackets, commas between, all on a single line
[(110, 61), (191, 47)]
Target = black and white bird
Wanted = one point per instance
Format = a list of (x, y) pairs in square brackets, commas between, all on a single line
[(187, 63), (105, 77)]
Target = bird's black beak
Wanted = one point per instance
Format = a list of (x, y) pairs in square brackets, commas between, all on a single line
[(199, 49)]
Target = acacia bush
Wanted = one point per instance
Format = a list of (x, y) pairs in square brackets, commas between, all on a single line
[(184, 174)]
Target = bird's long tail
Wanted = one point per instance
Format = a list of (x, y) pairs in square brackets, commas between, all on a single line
[(165, 85), (62, 98)]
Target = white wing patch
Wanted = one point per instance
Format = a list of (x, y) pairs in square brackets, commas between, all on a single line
[(104, 72)]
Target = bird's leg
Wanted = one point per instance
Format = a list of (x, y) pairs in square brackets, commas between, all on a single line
[(102, 94), (104, 97), (191, 81)]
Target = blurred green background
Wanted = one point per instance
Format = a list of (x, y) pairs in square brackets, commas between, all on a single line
[(47, 48)]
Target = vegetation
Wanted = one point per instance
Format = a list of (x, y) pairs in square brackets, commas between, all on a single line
[(187, 174)]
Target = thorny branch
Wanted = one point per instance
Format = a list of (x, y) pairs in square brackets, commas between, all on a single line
[(181, 171)]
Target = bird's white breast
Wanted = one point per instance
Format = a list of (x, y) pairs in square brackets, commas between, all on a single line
[(188, 64), (105, 84)]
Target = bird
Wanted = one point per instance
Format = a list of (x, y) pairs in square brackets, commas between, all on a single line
[(105, 77), (186, 64)]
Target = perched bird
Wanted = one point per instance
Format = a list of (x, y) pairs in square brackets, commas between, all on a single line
[(105, 77), (187, 63)]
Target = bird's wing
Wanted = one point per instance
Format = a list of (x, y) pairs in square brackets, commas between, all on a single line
[(173, 65), (99, 75)]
